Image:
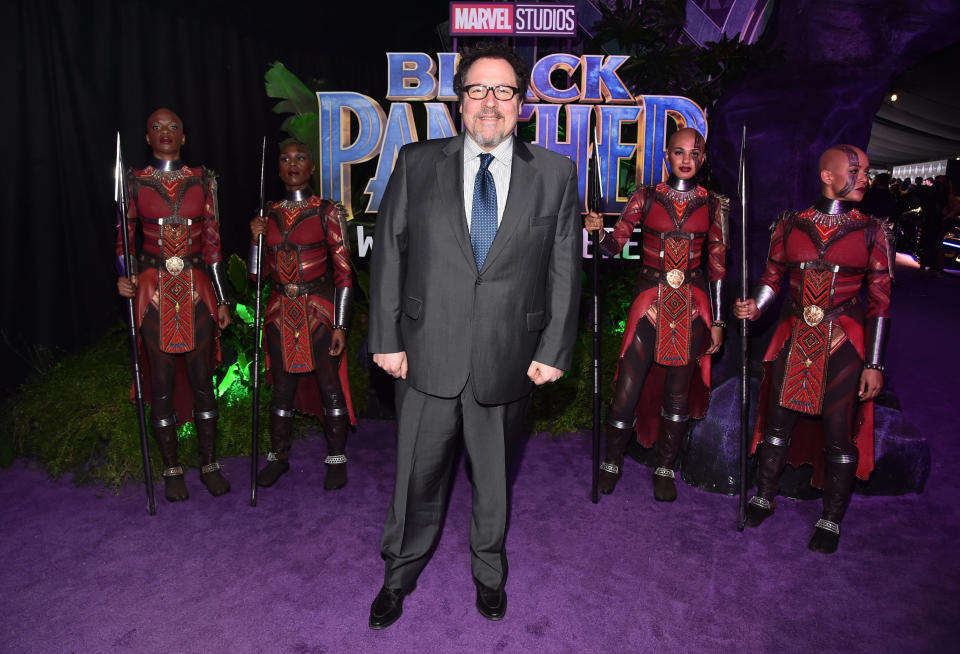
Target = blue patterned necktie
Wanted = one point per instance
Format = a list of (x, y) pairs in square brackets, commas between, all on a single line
[(483, 221)]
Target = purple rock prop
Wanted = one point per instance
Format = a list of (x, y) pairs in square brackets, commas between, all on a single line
[(710, 458)]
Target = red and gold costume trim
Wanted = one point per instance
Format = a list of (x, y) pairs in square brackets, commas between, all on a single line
[(176, 211), (307, 257), (831, 257), (683, 236)]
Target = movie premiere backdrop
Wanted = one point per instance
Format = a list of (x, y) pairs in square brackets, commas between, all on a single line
[(354, 128)]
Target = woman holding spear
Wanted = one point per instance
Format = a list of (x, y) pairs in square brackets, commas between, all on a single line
[(675, 321)]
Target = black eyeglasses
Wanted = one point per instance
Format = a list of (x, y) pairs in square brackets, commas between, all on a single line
[(500, 91)]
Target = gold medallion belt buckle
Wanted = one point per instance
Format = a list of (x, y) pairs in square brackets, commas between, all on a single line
[(174, 265), (675, 278), (812, 315), (291, 291)]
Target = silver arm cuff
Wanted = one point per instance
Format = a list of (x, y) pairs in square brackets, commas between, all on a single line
[(764, 296), (221, 287), (253, 260), (876, 346), (341, 308), (716, 299)]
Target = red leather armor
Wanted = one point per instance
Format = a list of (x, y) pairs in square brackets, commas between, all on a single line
[(678, 229), (177, 214), (831, 257)]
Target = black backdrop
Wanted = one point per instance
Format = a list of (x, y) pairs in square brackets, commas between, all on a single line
[(75, 72)]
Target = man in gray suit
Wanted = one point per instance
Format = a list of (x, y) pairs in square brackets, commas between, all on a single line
[(474, 293)]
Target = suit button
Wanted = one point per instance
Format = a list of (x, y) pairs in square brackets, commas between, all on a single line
[(479, 281)]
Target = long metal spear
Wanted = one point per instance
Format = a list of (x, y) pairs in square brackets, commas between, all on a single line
[(595, 203), (120, 201), (744, 337), (257, 334)]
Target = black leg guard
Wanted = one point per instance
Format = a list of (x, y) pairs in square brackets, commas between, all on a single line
[(618, 436), (278, 460), (336, 423), (673, 429), (165, 431), (206, 422), (773, 457), (841, 475)]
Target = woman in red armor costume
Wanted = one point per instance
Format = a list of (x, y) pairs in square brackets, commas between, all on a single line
[(306, 319), (675, 319), (824, 365), (181, 297)]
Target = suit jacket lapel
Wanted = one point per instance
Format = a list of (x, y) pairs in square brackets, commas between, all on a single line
[(522, 177), (450, 183)]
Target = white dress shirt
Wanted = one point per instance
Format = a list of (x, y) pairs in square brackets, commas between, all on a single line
[(500, 169)]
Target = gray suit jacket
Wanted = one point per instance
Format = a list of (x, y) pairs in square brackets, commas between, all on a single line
[(455, 322)]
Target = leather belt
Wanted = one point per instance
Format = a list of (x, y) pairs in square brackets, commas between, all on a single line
[(319, 286), (814, 315), (673, 278), (676, 233), (820, 264), (173, 265)]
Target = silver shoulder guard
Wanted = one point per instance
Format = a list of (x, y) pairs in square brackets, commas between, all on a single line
[(221, 287), (875, 347), (341, 307)]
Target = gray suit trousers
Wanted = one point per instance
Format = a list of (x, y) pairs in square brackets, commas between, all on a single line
[(428, 431)]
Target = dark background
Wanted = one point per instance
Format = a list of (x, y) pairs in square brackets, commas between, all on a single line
[(76, 72)]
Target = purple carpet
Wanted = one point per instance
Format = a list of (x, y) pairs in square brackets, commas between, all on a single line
[(87, 570)]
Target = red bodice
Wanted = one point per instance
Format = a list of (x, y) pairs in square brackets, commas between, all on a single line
[(667, 211), (304, 240), (185, 200), (855, 243)]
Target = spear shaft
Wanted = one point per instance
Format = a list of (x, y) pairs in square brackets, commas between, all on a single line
[(744, 337), (257, 335), (595, 203), (120, 200)]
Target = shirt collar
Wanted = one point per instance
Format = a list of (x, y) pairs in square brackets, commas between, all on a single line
[(502, 153)]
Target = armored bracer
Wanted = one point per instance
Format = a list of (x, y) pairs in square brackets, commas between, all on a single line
[(221, 287), (341, 307), (875, 346)]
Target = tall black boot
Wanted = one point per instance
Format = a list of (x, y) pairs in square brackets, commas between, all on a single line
[(278, 460), (336, 422), (673, 429), (206, 422), (772, 455), (618, 437), (165, 431), (841, 475)]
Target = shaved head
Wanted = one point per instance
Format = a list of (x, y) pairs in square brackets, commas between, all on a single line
[(685, 153), (685, 133), (843, 172), (165, 134), (163, 112)]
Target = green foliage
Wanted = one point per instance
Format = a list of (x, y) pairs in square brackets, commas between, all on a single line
[(75, 416), (300, 100), (566, 406)]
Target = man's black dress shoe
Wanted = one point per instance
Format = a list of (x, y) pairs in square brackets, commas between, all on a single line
[(386, 608), (492, 603)]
